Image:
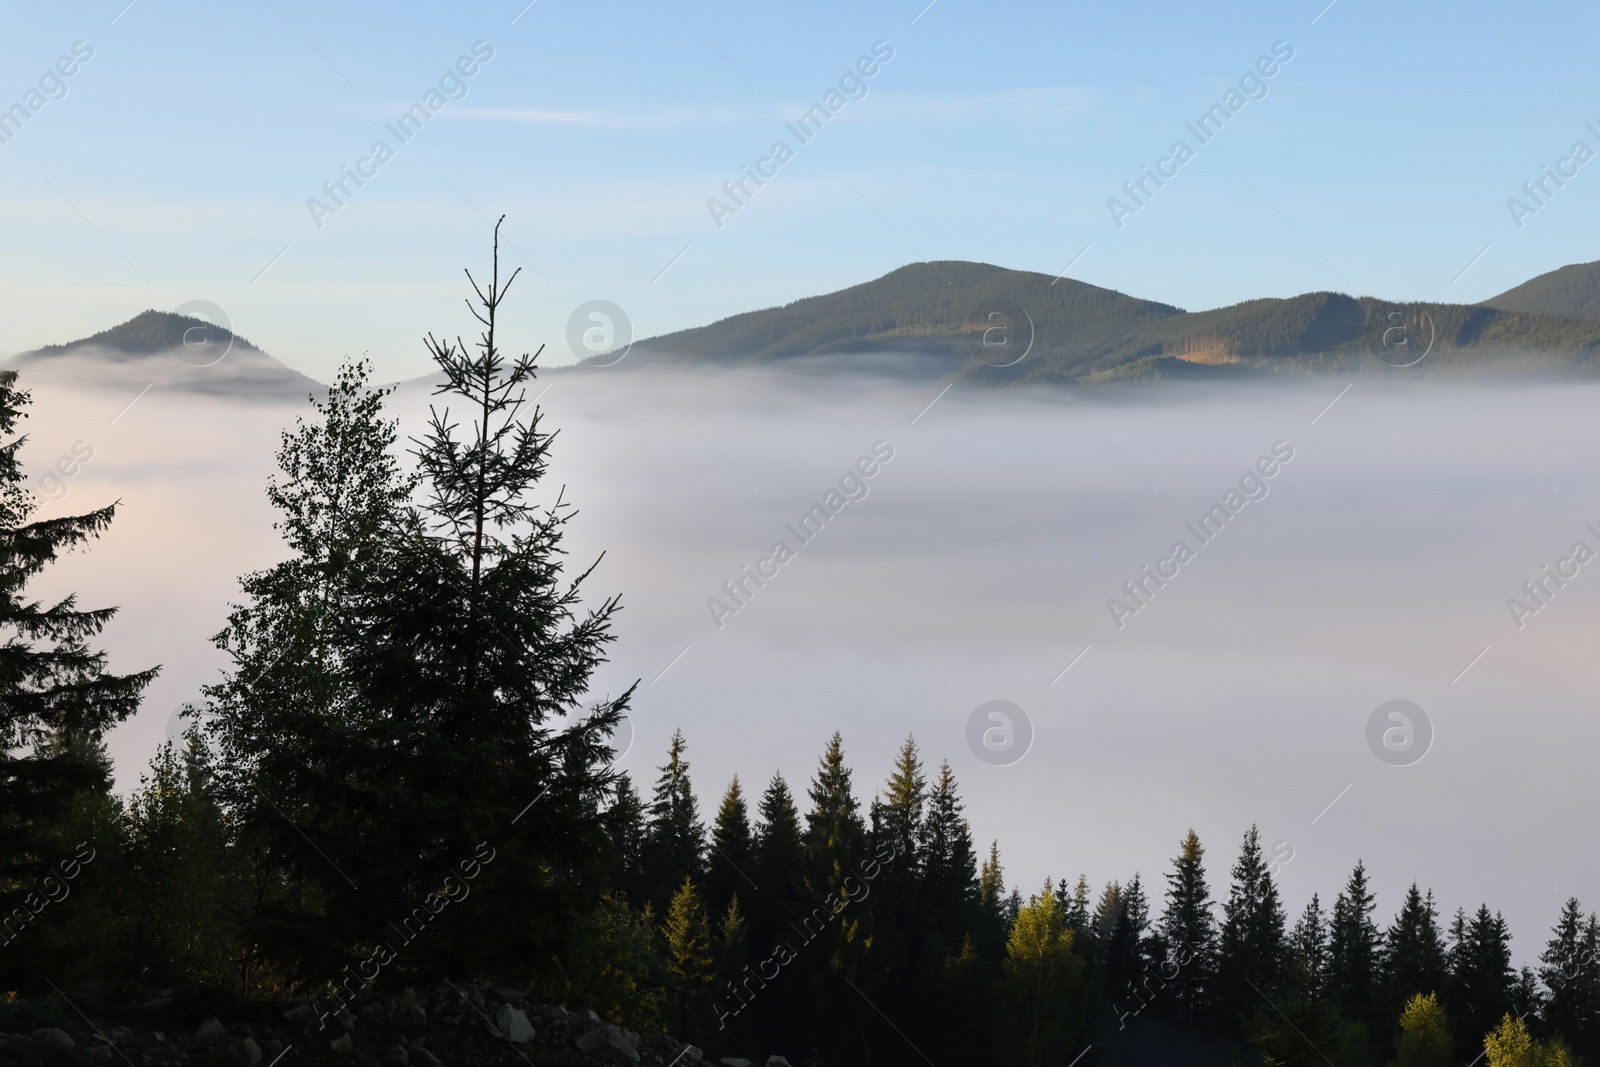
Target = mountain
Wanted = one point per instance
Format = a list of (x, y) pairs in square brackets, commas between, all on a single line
[(1572, 292), (934, 317), (170, 351)]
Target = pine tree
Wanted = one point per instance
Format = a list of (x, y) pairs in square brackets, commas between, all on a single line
[(1308, 951), (1132, 978), (1076, 907), (993, 926), (1251, 947), (1482, 982), (1189, 934), (1353, 951), (1571, 977), (732, 850), (627, 841), (674, 838), (778, 1014), (1044, 993), (691, 961), (1413, 952), (56, 697), (396, 690), (949, 866)]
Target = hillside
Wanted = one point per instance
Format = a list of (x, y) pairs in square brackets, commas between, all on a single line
[(170, 351), (939, 311), (1572, 292)]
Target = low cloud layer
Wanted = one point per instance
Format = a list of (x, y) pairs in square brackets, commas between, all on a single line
[(976, 563)]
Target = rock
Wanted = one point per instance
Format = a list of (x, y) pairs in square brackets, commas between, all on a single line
[(407, 1000), (273, 1048), (777, 1061), (342, 1043), (422, 1056), (735, 1061), (608, 1043), (99, 1054), (210, 1030), (550, 1013), (301, 1013), (55, 1037), (509, 993), (372, 1011), (397, 1057), (692, 1054), (513, 1022), (248, 1051), (589, 1016), (417, 1015), (155, 1004)]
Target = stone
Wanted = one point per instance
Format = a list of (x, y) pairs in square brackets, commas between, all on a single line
[(249, 1051), (417, 1015), (588, 1016), (550, 1013), (55, 1037), (301, 1013), (373, 1010), (509, 993), (422, 1056), (608, 1043), (407, 1000), (155, 1004), (692, 1054), (513, 1022), (777, 1061), (210, 1030), (342, 1043), (99, 1054), (397, 1057), (735, 1061)]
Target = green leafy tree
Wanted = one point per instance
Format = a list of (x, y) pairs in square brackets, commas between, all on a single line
[(612, 967), (1424, 1034), (1044, 993), (57, 700), (1511, 1045)]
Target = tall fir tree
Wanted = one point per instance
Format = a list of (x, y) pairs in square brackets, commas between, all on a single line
[(691, 962), (674, 837), (1353, 974), (1132, 975), (993, 922), (778, 1015), (1413, 953), (949, 866), (732, 851), (396, 693), (57, 700), (627, 841), (1482, 982), (1189, 936), (1571, 976), (1044, 993), (1251, 946), (900, 938)]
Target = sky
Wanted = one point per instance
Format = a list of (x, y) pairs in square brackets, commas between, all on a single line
[(179, 160)]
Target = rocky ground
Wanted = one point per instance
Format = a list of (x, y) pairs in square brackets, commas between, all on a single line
[(447, 1025)]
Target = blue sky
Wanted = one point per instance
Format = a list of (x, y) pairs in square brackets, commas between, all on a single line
[(179, 162)]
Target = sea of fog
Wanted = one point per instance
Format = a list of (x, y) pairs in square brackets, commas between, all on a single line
[(976, 562)]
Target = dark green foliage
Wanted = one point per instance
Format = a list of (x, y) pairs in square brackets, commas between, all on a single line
[(56, 702), (1571, 975), (732, 851), (1571, 292), (1353, 951), (1482, 983), (674, 839), (1189, 937), (1413, 953), (1250, 949)]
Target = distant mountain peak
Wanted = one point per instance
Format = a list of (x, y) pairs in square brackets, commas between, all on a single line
[(148, 332), (1573, 292)]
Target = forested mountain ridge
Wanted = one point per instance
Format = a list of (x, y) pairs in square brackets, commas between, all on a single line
[(943, 311)]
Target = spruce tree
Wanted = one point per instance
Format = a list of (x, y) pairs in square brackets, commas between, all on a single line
[(432, 754), (1353, 952), (1571, 977), (732, 850), (57, 700), (779, 1013), (627, 842), (674, 838), (1482, 982), (835, 844), (1308, 951), (1251, 947), (691, 961), (993, 925), (1132, 977), (1413, 953), (949, 866), (1044, 993), (1189, 935)]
